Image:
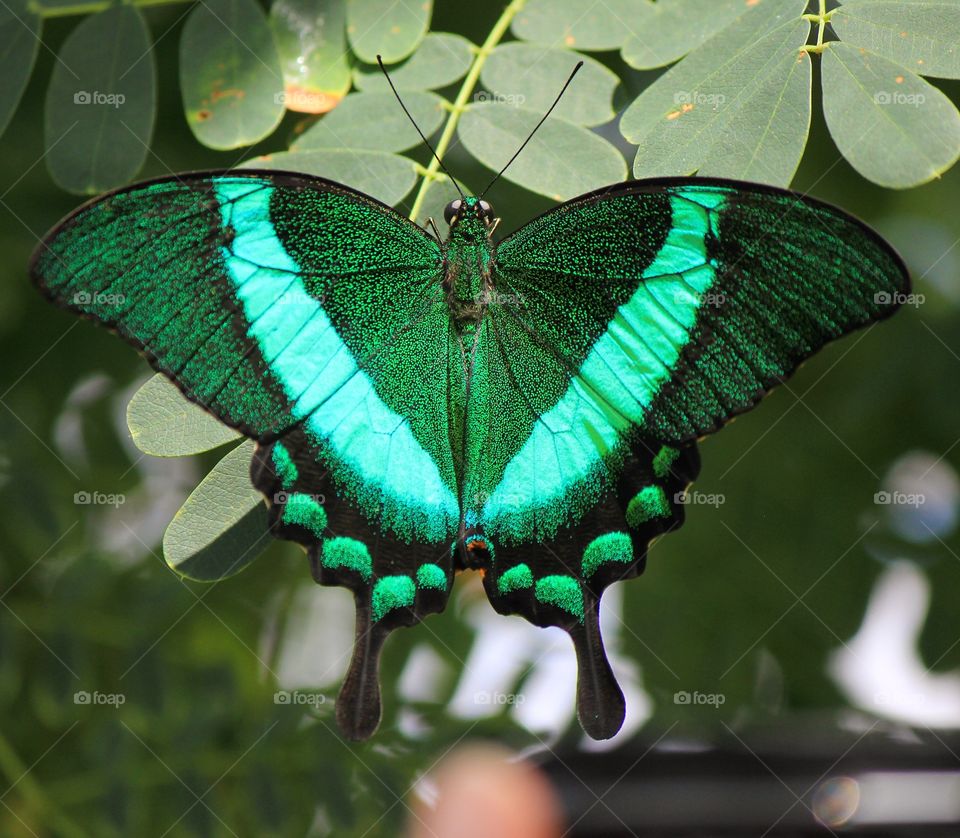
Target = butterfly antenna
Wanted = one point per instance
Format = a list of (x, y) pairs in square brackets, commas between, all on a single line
[(426, 142), (535, 129)]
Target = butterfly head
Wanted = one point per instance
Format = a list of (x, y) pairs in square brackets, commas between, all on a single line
[(471, 215)]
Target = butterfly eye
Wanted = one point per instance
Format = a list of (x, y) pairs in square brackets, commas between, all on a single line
[(485, 211), (451, 210)]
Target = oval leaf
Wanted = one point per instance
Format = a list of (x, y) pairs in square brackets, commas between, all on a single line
[(767, 149), (390, 28), (101, 102), (19, 42), (375, 121), (895, 128), (530, 75), (384, 176), (562, 160), (222, 526), (311, 40), (679, 119), (164, 423), (922, 35), (442, 59), (572, 23), (230, 75), (672, 28)]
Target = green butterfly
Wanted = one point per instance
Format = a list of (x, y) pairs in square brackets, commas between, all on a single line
[(528, 408)]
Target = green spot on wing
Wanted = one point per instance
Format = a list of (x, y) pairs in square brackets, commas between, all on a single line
[(285, 468), (347, 553), (304, 511), (392, 592), (649, 503), (664, 460), (610, 547), (517, 578), (563, 592), (431, 576)]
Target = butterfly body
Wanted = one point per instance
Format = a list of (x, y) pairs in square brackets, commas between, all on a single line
[(528, 408)]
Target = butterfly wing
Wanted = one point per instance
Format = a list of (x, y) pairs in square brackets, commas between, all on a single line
[(313, 319), (625, 324)]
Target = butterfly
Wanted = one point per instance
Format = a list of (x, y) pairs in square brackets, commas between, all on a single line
[(528, 408)]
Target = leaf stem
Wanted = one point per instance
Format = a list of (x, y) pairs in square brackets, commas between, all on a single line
[(459, 105), (89, 8), (822, 18)]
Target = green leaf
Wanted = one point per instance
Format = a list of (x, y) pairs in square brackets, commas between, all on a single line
[(230, 76), (222, 526), (19, 42), (375, 121), (922, 35), (583, 26), (101, 102), (164, 423), (562, 160), (717, 94), (441, 60), (531, 76), (669, 29), (765, 137), (392, 29), (311, 41), (386, 177), (895, 128)]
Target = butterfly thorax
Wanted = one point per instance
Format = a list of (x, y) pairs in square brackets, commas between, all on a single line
[(469, 254)]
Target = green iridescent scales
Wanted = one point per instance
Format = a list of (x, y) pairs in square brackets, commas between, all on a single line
[(528, 408)]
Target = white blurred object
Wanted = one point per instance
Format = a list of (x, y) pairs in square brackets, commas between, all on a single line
[(881, 670)]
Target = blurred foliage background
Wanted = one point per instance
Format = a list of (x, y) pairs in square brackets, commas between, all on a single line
[(135, 702)]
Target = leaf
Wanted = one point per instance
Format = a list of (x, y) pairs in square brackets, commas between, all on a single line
[(391, 28), (531, 76), (230, 76), (19, 42), (922, 35), (895, 128), (672, 28), (222, 526), (164, 423), (101, 102), (767, 149), (375, 121), (440, 192), (716, 92), (562, 160), (572, 23), (442, 59), (311, 41), (384, 176)]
